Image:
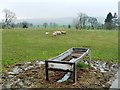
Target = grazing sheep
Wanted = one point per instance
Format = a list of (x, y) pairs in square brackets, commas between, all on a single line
[(63, 32), (47, 33), (58, 32), (54, 34)]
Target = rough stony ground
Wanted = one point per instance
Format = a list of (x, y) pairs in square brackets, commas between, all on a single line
[(32, 75)]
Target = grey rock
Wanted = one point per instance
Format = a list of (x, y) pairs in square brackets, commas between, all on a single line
[(1, 83), (21, 83), (106, 69), (1, 86), (11, 76), (18, 80), (11, 73), (27, 82), (9, 84), (27, 63), (28, 68), (86, 62), (103, 65), (102, 70), (17, 70), (103, 85), (39, 62)]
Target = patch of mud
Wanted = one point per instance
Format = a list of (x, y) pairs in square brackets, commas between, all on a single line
[(32, 75)]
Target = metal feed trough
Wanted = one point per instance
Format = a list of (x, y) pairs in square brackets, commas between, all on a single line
[(67, 61)]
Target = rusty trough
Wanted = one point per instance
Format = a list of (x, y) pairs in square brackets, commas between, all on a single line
[(67, 61)]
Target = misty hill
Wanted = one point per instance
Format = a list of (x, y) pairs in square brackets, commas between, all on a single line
[(60, 21)]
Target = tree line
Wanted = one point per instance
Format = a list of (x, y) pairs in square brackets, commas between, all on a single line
[(82, 21)]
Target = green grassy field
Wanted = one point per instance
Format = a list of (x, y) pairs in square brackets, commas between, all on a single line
[(29, 45)]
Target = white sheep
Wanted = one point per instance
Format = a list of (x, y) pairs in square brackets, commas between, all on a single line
[(47, 33), (54, 34), (58, 32), (63, 32)]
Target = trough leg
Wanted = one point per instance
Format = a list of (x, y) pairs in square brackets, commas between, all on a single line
[(74, 73), (46, 70), (90, 56)]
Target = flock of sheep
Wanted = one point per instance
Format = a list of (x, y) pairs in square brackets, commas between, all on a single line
[(55, 33)]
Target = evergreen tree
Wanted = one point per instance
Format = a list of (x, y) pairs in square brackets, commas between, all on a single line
[(108, 21)]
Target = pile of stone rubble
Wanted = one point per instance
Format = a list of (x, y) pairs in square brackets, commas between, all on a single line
[(10, 80), (105, 66)]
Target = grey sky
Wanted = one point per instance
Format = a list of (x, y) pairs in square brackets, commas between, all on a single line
[(58, 8)]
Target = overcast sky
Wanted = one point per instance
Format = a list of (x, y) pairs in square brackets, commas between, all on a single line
[(58, 8)]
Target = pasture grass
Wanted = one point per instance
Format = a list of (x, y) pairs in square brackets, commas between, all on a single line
[(82, 65), (20, 45)]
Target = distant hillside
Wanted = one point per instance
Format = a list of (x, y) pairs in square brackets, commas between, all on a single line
[(101, 19), (60, 21)]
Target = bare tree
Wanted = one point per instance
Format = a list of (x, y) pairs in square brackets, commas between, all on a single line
[(92, 21), (9, 17), (45, 25), (82, 20)]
